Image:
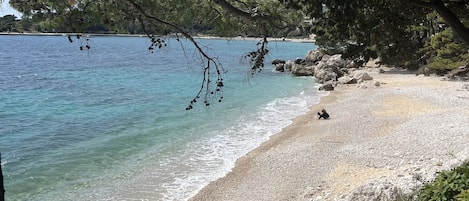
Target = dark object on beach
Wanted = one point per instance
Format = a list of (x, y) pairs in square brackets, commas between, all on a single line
[(2, 189), (324, 114)]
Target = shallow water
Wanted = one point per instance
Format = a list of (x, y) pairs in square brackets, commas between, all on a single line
[(110, 123)]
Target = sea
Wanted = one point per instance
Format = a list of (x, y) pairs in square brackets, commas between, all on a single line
[(110, 122)]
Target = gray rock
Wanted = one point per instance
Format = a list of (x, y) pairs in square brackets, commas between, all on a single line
[(347, 80), (278, 61), (361, 76), (326, 87), (314, 56), (288, 65), (301, 70), (336, 61), (280, 67)]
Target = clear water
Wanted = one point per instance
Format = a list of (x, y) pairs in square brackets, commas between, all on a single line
[(111, 124)]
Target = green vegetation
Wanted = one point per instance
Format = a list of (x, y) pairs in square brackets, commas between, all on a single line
[(8, 23), (409, 33), (449, 185)]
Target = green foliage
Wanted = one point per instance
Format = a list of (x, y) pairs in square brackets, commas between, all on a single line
[(8, 23), (463, 196), (448, 185), (447, 52), (398, 32), (190, 16), (392, 30)]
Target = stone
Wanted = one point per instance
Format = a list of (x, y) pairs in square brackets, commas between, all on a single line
[(376, 84), (301, 70), (280, 67), (347, 80), (361, 76), (327, 87), (314, 56), (278, 61), (288, 65)]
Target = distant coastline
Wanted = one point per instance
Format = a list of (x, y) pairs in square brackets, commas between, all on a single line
[(300, 40)]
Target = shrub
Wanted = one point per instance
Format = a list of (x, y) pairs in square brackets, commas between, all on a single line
[(449, 185), (448, 52)]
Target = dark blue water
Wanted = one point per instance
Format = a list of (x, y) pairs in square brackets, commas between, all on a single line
[(110, 123)]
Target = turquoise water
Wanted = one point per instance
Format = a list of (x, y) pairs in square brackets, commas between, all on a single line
[(110, 123)]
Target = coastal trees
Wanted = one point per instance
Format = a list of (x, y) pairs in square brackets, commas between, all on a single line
[(8, 23), (406, 33), (399, 32), (393, 30)]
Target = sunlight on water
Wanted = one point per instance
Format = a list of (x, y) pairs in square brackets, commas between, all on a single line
[(110, 124)]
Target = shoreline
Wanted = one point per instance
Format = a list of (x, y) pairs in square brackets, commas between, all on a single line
[(270, 39), (378, 138)]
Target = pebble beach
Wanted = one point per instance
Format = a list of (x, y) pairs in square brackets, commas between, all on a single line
[(385, 139)]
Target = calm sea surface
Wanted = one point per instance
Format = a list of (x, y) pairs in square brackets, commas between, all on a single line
[(110, 123)]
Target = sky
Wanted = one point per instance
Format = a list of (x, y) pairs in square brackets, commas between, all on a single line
[(5, 9)]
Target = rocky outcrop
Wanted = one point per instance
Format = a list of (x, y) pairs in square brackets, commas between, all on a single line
[(329, 70)]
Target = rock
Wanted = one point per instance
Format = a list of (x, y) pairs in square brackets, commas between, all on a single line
[(288, 65), (299, 61), (301, 70), (376, 84), (278, 61), (336, 61), (347, 80), (326, 87), (324, 75), (314, 56), (280, 67), (361, 76)]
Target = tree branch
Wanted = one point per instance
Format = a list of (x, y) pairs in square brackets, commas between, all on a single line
[(239, 13), (206, 82), (448, 15)]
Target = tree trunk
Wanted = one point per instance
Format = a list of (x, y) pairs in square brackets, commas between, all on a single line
[(451, 19), (2, 189)]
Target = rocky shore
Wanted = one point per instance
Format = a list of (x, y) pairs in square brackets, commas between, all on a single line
[(387, 136), (331, 70)]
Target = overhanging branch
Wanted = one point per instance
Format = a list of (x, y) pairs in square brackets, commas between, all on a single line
[(254, 16), (211, 61)]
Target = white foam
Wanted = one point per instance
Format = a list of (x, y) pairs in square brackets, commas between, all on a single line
[(183, 173), (214, 157)]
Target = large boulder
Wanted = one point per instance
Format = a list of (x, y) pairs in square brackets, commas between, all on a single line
[(324, 75), (337, 61), (361, 76), (347, 80), (314, 56), (301, 70)]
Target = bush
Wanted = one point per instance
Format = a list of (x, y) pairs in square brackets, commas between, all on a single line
[(447, 51), (449, 185), (463, 196)]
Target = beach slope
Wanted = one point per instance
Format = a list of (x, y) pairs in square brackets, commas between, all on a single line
[(381, 141)]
